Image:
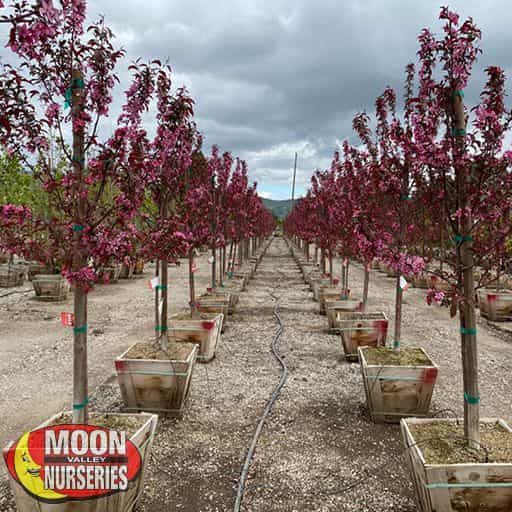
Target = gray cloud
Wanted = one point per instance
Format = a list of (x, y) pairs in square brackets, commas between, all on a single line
[(271, 77)]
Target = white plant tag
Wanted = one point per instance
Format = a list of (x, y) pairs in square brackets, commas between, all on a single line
[(403, 283), (155, 282)]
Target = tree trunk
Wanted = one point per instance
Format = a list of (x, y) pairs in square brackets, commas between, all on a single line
[(467, 306), (191, 283), (366, 286), (398, 313), (214, 268), (157, 303), (163, 328), (80, 380), (347, 268), (331, 279)]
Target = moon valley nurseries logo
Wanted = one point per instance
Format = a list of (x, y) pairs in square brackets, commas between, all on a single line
[(73, 462)]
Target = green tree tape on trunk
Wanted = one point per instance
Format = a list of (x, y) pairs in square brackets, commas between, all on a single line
[(473, 400), (78, 407), (469, 332), (81, 329)]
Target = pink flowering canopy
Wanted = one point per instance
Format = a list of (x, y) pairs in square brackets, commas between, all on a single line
[(63, 87)]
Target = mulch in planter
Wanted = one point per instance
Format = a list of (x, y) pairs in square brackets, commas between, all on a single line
[(444, 443), (176, 352), (122, 423), (389, 357)]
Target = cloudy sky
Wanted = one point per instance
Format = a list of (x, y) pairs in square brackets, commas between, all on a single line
[(272, 77)]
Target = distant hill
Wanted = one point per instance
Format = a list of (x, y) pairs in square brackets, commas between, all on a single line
[(279, 208)]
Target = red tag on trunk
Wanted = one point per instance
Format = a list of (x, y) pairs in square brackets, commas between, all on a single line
[(67, 319), (430, 376), (491, 297), (335, 280), (208, 325)]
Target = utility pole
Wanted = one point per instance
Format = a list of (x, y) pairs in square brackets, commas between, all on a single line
[(293, 184)]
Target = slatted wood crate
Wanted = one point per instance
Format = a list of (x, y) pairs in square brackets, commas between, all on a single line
[(316, 284), (495, 306), (214, 305), (337, 309), (471, 487), (395, 392), (155, 385), (359, 329), (329, 293), (50, 288), (11, 276), (204, 332)]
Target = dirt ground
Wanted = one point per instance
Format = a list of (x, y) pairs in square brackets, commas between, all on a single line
[(318, 452)]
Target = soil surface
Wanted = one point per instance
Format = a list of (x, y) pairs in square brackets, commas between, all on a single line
[(319, 451)]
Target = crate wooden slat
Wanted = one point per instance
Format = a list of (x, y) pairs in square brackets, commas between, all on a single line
[(155, 385), (334, 308), (316, 284), (50, 288), (359, 329), (470, 487), (495, 306), (200, 332), (11, 276), (328, 293), (395, 392)]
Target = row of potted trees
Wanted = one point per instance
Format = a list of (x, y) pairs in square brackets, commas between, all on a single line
[(124, 198), (429, 170)]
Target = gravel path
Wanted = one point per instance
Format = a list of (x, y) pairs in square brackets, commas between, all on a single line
[(318, 439)]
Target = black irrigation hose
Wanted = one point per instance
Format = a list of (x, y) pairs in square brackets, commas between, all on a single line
[(277, 390)]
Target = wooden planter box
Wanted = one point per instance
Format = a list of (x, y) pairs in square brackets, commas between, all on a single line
[(339, 309), (110, 275), (395, 392), (214, 305), (11, 276), (155, 385), (471, 487), (495, 306), (316, 284), (241, 279), (439, 284), (361, 330), (139, 267), (35, 269), (421, 281), (119, 502), (328, 293), (50, 288), (126, 271), (224, 295), (205, 333)]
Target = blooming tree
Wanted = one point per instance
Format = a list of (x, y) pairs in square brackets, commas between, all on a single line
[(467, 173), (63, 83)]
